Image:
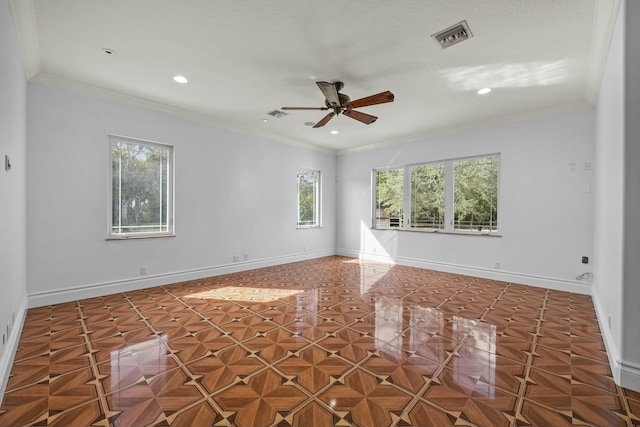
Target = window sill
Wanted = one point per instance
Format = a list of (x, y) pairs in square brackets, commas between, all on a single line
[(309, 227), (460, 233), (137, 237)]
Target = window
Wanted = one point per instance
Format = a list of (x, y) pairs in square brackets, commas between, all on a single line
[(308, 198), (141, 188), (475, 200), (458, 195), (389, 207), (427, 196)]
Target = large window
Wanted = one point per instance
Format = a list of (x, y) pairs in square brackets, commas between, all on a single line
[(452, 195), (141, 188), (308, 198)]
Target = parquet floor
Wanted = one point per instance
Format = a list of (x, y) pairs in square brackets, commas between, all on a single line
[(328, 342)]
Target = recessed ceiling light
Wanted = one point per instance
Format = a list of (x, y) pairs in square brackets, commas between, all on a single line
[(484, 91), (309, 123), (180, 79), (334, 132), (265, 120)]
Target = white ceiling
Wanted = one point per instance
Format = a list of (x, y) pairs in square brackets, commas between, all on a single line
[(244, 59)]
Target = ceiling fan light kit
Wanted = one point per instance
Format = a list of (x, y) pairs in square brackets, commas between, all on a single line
[(340, 103)]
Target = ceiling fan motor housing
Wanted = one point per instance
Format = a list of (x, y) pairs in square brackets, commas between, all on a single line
[(344, 100)]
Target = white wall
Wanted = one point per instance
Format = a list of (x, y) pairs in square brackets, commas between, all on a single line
[(616, 288), (609, 193), (546, 218), (235, 194), (631, 248), (13, 142)]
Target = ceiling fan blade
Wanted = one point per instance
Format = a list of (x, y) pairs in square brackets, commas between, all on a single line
[(367, 119), (378, 98), (304, 108), (324, 120), (330, 93)]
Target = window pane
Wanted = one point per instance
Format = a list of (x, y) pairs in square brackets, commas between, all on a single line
[(389, 198), (476, 194), (140, 188), (308, 198), (427, 196)]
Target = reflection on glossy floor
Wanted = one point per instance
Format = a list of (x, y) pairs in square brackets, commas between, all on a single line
[(328, 342)]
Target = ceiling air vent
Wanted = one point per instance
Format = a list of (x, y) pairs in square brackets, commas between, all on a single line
[(453, 35), (277, 114)]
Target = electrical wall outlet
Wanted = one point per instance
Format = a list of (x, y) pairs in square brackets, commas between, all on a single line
[(236, 258), (144, 271)]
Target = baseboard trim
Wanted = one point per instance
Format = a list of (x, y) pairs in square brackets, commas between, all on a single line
[(6, 362), (625, 374), (39, 299), (630, 375), (505, 276), (613, 353)]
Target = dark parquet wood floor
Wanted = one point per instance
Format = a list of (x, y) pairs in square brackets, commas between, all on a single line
[(328, 342)]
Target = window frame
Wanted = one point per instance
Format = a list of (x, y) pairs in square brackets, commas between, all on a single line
[(374, 182), (449, 197), (317, 205), (170, 191), (497, 206), (447, 207)]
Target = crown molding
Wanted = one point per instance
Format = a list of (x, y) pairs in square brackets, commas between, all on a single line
[(85, 89), (24, 21), (605, 15), (476, 125)]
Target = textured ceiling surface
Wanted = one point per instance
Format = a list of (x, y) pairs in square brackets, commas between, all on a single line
[(244, 59)]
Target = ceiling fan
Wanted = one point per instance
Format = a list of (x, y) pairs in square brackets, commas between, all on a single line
[(341, 103)]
